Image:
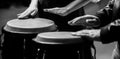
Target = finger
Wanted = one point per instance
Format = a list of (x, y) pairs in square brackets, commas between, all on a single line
[(62, 12), (52, 10), (70, 22), (34, 13), (19, 14), (75, 34), (22, 15), (79, 33), (26, 14), (73, 22), (47, 10)]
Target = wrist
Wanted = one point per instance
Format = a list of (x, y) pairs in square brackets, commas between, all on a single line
[(97, 37), (34, 3)]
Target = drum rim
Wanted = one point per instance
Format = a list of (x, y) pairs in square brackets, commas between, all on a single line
[(51, 28), (52, 43), (37, 19)]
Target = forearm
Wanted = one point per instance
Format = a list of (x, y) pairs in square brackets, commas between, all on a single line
[(34, 3), (75, 5), (109, 33)]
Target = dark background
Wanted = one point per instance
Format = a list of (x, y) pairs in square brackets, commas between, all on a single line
[(10, 8)]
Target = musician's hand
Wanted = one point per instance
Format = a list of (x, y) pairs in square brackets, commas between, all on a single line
[(90, 34), (86, 20), (60, 11), (30, 11)]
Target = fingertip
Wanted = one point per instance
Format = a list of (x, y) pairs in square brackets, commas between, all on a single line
[(20, 17), (74, 33), (32, 14), (45, 10), (70, 23)]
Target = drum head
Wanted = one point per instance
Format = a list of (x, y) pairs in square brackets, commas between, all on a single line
[(57, 38), (32, 25)]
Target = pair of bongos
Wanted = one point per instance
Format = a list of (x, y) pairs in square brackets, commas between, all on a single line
[(46, 34)]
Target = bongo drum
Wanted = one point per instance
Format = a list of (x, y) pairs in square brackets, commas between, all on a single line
[(18, 35), (36, 25), (58, 45), (58, 38)]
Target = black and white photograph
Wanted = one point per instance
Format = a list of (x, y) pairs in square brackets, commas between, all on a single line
[(56, 29)]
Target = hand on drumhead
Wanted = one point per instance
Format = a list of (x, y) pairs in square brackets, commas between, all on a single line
[(31, 11), (86, 20), (90, 34), (59, 11)]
